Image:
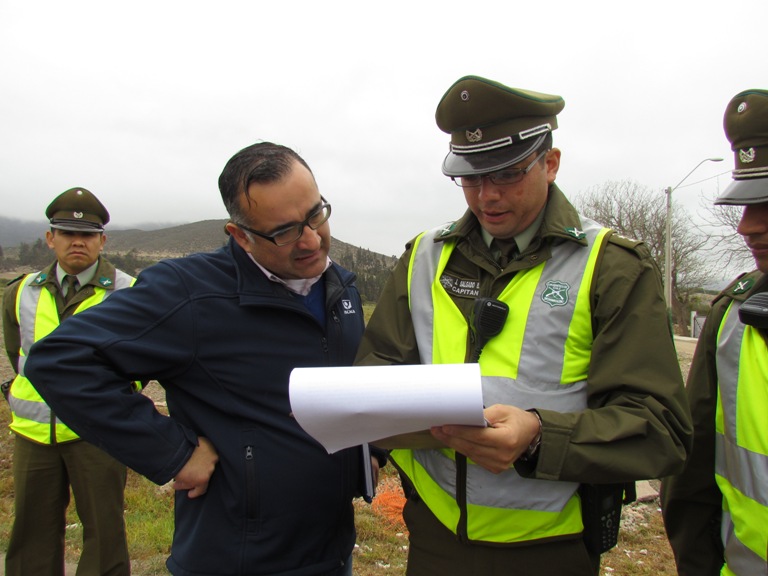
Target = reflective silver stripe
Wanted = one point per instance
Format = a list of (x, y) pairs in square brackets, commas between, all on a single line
[(30, 410), (425, 260), (539, 374), (122, 280), (526, 393), (740, 559), (543, 353), (28, 301), (507, 490), (743, 469)]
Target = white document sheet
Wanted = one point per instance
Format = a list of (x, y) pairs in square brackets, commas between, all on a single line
[(346, 406)]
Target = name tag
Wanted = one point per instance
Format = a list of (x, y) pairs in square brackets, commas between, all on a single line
[(460, 287)]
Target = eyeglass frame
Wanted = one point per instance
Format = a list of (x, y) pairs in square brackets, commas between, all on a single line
[(300, 226), (520, 173)]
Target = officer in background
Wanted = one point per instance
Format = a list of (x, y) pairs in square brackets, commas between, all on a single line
[(48, 457), (716, 511), (582, 383)]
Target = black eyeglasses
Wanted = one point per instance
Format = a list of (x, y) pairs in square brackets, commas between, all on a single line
[(500, 177), (291, 233)]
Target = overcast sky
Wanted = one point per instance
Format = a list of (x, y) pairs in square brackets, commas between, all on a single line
[(144, 102)]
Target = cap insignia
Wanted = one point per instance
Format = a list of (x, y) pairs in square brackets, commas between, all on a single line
[(464, 95), (77, 214), (474, 136), (742, 107), (746, 156), (104, 281), (743, 286)]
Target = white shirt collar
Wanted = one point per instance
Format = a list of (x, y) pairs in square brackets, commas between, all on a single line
[(300, 286)]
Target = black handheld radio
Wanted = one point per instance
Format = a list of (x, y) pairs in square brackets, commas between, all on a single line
[(754, 311), (486, 321)]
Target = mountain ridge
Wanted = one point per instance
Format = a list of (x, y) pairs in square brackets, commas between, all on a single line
[(133, 249)]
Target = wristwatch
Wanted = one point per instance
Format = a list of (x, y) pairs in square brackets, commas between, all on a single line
[(533, 447)]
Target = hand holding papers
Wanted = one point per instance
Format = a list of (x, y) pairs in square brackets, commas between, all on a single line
[(346, 406)]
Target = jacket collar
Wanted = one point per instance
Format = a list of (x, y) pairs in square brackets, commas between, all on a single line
[(104, 277), (252, 281), (561, 221)]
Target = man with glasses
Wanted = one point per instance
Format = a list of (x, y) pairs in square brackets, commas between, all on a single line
[(221, 332), (580, 379)]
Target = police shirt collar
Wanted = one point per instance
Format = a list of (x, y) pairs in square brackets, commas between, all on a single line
[(82, 279), (523, 240)]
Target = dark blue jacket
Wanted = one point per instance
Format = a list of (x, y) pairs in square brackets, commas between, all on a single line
[(222, 340)]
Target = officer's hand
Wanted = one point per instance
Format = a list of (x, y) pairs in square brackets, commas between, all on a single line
[(497, 447), (197, 472)]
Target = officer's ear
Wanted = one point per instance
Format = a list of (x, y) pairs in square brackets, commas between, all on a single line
[(552, 164)]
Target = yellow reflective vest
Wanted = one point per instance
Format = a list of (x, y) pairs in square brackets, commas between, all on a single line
[(741, 444), (539, 360), (37, 316)]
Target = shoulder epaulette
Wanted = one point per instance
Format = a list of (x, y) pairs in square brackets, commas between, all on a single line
[(15, 280), (623, 241)]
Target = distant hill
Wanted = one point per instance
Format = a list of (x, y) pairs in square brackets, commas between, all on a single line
[(179, 240), (13, 232), (148, 246)]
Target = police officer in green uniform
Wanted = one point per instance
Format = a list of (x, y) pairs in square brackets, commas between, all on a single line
[(580, 379), (716, 511), (48, 457)]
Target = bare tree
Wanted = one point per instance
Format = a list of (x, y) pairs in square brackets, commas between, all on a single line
[(728, 247), (637, 211)]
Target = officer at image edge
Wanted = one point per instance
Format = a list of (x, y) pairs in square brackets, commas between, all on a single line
[(716, 511)]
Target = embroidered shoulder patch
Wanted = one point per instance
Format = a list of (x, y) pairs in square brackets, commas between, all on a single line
[(447, 229), (576, 233), (743, 286), (460, 287)]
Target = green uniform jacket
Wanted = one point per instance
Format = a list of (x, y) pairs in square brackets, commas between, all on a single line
[(11, 329), (691, 502), (637, 424)]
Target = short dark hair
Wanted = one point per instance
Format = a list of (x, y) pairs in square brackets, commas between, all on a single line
[(261, 163)]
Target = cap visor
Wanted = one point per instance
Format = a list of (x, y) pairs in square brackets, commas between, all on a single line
[(484, 162), (77, 226), (741, 192)]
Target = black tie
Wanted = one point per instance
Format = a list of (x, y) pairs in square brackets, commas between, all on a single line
[(71, 283), (507, 250)]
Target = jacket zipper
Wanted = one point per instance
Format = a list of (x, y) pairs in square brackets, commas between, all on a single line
[(251, 504)]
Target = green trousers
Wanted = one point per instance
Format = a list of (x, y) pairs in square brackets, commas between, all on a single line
[(435, 551), (42, 476)]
